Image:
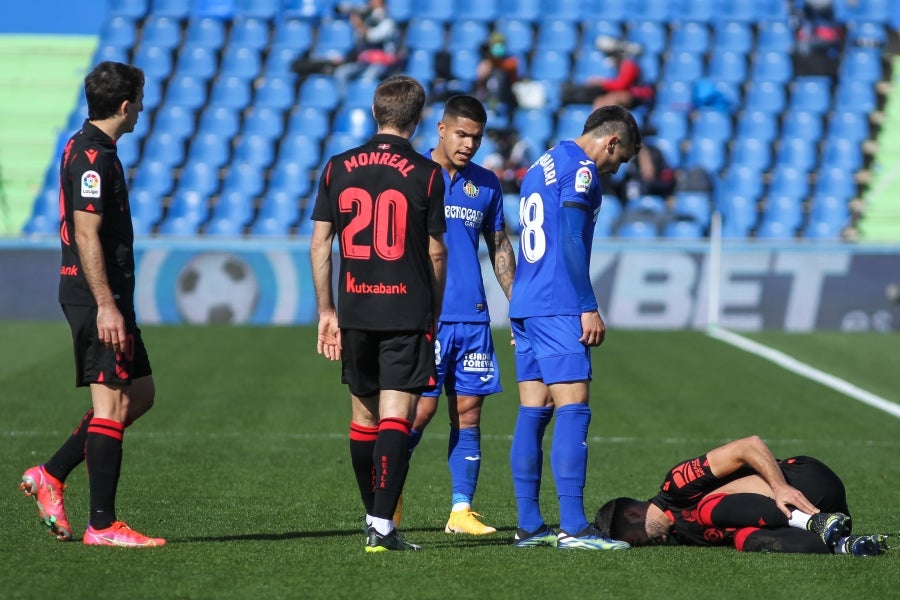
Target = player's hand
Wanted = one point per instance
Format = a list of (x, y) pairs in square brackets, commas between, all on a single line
[(328, 342), (787, 496), (111, 327), (593, 329)]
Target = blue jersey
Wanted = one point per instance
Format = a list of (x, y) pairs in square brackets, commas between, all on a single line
[(473, 206), (552, 270)]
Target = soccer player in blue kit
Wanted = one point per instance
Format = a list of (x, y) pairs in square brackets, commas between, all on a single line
[(555, 321), (464, 349)]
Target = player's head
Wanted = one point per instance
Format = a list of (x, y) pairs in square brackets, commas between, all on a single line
[(626, 519), (460, 130), (610, 137), (109, 86), (398, 104)]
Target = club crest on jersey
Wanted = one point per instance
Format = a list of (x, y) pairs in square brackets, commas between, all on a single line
[(583, 179), (470, 189), (90, 184)]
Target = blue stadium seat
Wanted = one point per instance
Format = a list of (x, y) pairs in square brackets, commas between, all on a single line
[(205, 32), (199, 177), (762, 125), (249, 32), (155, 176), (265, 121), (570, 122), (360, 93), (591, 64), (210, 148), (556, 34), (308, 121), (696, 206), (134, 9), (217, 9), (174, 119), (771, 66), (801, 124), (160, 31), (146, 208), (610, 212), (186, 212), (727, 65), (334, 40), (569, 10), (842, 153), (278, 211), (420, 65), (219, 226), (245, 177), (275, 92), (765, 96), (439, 10), (811, 93), (740, 11), (463, 63), (467, 32), (669, 124), (830, 208), (156, 61), (822, 231), (219, 120), (836, 182), (651, 35), (709, 123), (535, 122), (647, 204), (774, 36), (706, 153), (240, 62), (788, 181), (111, 53), (232, 210), (732, 36), (861, 64), (611, 10), (526, 10), (187, 91), (197, 61), (256, 149), (519, 35), (593, 29), (337, 143), (296, 34), (752, 152), (128, 150), (866, 34), (674, 95), (230, 92), (878, 11), (118, 31), (401, 11), (689, 36), (550, 65), (856, 96), (695, 10), (257, 9), (319, 91), (848, 125), (679, 229), (775, 231), (636, 230), (671, 150), (279, 62), (661, 11), (313, 10), (739, 215), (178, 9), (290, 177), (425, 34), (746, 182), (358, 122), (783, 209)]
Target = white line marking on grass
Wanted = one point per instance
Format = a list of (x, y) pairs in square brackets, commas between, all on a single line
[(800, 368)]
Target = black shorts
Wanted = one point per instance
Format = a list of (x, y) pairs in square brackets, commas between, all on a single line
[(387, 360), (817, 481), (95, 362)]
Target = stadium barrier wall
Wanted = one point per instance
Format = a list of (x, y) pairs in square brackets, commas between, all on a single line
[(662, 285)]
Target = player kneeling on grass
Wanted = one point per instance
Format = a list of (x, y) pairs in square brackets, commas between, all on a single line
[(740, 495)]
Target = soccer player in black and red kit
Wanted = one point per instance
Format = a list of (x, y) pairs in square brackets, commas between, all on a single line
[(385, 203), (96, 291), (740, 495)]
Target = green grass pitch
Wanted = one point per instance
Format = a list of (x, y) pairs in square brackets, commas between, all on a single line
[(243, 466)]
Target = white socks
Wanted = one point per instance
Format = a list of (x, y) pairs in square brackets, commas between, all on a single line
[(798, 519)]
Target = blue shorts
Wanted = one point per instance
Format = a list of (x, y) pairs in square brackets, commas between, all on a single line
[(465, 360), (548, 350)]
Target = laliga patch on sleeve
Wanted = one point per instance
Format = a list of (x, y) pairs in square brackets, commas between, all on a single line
[(90, 184), (583, 180)]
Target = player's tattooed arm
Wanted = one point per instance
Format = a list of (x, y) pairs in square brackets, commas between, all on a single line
[(503, 258)]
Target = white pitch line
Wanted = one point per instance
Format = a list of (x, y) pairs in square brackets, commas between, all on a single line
[(800, 368)]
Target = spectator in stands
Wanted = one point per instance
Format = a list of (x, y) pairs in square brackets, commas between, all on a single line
[(375, 54), (626, 88), (495, 75), (511, 158), (648, 175), (819, 39)]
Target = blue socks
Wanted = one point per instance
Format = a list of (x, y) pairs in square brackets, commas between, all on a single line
[(464, 460), (526, 457), (568, 456)]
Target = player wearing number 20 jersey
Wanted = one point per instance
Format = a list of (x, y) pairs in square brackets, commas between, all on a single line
[(551, 279), (384, 199)]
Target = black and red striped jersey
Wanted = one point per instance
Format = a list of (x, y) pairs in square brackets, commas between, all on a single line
[(91, 179), (384, 200)]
